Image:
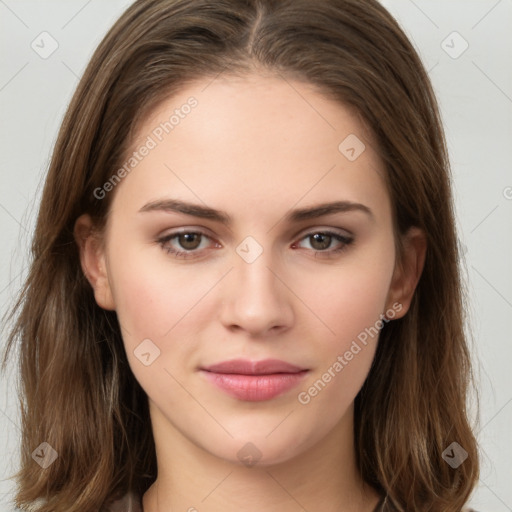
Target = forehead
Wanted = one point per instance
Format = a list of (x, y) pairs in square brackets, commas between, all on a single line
[(243, 140), (231, 110)]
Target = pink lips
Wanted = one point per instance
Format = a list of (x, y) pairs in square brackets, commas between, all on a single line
[(254, 380)]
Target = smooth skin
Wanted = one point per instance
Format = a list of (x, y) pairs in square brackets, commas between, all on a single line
[(256, 148)]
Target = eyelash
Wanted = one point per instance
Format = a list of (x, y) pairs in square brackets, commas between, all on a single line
[(345, 240)]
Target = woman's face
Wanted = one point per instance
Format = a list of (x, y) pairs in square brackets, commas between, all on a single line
[(290, 256)]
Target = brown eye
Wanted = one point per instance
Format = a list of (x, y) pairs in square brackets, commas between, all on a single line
[(189, 241), (184, 244), (320, 241)]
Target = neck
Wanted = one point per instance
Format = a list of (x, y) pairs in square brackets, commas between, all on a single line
[(325, 477)]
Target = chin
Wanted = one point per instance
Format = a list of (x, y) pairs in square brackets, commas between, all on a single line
[(258, 450)]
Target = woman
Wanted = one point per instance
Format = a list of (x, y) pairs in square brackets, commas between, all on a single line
[(245, 289)]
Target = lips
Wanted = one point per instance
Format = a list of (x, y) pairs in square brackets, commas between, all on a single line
[(245, 367), (254, 380)]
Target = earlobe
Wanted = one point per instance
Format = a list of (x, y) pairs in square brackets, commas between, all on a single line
[(408, 270), (92, 260)]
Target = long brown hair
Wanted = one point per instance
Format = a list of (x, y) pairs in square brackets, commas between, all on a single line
[(77, 391)]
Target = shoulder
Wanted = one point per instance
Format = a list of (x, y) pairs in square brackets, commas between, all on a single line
[(130, 502)]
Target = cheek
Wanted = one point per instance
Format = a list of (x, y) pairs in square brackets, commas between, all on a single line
[(155, 309), (348, 299), (152, 294), (350, 302), (162, 301), (344, 354)]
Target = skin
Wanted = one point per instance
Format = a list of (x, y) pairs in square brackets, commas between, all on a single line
[(255, 147)]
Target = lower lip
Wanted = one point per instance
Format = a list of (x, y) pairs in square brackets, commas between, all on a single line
[(255, 388)]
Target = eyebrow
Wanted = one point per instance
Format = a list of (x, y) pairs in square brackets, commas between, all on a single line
[(297, 215)]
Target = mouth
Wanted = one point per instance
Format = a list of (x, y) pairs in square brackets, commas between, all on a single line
[(254, 381)]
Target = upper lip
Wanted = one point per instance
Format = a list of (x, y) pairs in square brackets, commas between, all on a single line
[(246, 367)]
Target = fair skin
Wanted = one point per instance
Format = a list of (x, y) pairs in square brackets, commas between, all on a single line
[(255, 148)]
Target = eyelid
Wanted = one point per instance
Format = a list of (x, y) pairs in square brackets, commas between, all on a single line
[(324, 229), (186, 229)]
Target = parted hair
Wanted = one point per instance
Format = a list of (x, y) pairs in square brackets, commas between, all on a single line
[(76, 389)]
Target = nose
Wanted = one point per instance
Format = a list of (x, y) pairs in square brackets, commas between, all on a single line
[(256, 297)]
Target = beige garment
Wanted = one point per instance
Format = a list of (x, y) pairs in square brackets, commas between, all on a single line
[(130, 502)]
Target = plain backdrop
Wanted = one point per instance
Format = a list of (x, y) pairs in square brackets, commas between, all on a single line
[(465, 45)]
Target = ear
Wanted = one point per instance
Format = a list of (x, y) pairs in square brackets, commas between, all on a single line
[(93, 261), (407, 271)]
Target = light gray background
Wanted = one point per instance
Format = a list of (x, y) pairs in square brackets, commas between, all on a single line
[(475, 93)]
